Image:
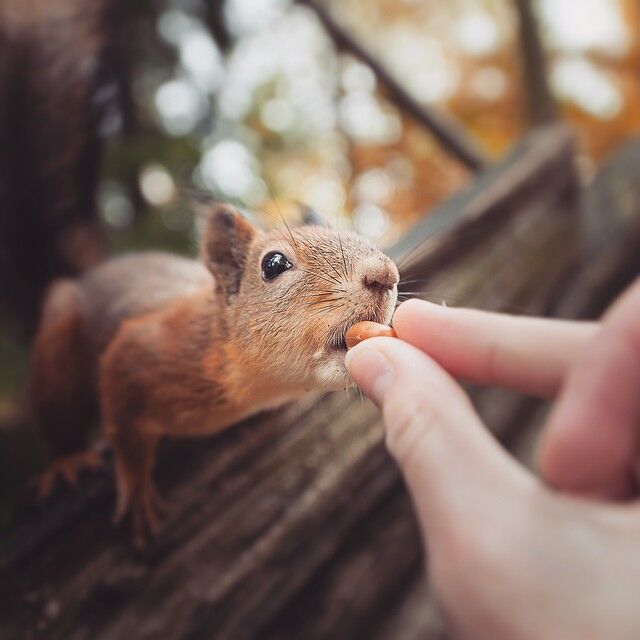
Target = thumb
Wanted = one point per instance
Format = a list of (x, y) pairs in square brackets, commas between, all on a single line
[(456, 472)]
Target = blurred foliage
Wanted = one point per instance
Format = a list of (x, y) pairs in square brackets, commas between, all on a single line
[(278, 113)]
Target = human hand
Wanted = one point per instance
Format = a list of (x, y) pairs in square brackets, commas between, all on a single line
[(509, 557)]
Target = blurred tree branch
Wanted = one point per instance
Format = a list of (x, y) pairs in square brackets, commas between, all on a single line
[(452, 137), (540, 102), (214, 15)]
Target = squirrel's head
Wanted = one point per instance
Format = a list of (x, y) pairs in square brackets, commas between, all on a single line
[(290, 295)]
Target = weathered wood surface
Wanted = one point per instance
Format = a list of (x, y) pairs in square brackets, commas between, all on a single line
[(540, 169), (610, 255), (294, 524)]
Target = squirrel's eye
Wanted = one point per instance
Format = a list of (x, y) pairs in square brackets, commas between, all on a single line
[(273, 264)]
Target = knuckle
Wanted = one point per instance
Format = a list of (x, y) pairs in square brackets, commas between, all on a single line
[(492, 359)]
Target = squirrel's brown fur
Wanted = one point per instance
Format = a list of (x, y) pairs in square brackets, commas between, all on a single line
[(173, 348)]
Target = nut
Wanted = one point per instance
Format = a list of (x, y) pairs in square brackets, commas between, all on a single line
[(365, 330)]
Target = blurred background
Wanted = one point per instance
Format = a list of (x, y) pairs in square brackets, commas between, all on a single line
[(253, 101)]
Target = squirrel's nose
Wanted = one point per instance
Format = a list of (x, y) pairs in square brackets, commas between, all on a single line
[(381, 276)]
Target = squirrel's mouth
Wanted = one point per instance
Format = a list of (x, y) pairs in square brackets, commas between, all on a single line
[(382, 314), (337, 341)]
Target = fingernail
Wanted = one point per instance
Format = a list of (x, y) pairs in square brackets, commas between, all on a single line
[(371, 371)]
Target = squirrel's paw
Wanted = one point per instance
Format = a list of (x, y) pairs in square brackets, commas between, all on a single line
[(67, 470), (144, 503)]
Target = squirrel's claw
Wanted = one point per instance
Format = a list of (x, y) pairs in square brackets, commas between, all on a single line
[(123, 495), (144, 502), (144, 520), (67, 469)]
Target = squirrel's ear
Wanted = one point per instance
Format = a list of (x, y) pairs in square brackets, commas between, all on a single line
[(309, 216), (225, 244)]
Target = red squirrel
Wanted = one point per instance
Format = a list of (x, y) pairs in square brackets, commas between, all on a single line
[(168, 346)]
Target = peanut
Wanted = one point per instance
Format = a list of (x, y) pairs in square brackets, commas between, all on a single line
[(365, 330)]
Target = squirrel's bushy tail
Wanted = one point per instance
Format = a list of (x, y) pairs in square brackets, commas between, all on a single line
[(61, 391), (52, 63)]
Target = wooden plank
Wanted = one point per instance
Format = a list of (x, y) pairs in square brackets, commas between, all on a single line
[(541, 167), (610, 256), (344, 596)]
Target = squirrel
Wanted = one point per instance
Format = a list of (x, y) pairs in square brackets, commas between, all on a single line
[(168, 346)]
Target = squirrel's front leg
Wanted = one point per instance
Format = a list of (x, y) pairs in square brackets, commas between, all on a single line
[(134, 447), (131, 431)]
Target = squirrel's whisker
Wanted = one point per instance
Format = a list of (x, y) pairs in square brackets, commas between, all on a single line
[(284, 220), (328, 262), (329, 307), (311, 305), (318, 275), (316, 296), (432, 294), (337, 280), (344, 262)]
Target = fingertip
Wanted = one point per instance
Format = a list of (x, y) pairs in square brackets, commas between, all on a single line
[(558, 459), (391, 371), (370, 367), (412, 309), (568, 464), (408, 306), (353, 358), (393, 349)]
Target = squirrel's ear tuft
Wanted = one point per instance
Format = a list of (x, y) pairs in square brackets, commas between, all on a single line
[(225, 244), (309, 216)]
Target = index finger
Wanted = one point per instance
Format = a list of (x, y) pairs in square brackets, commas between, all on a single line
[(530, 355)]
